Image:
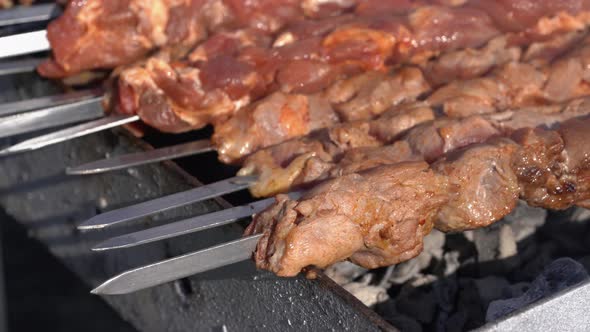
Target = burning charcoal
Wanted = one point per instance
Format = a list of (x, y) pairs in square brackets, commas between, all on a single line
[(388, 311), (567, 232), (456, 322), (445, 291), (516, 290), (467, 312), (418, 303), (470, 307), (585, 261), (559, 275), (491, 288), (536, 257)]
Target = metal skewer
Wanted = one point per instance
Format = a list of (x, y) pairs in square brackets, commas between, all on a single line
[(168, 202), (142, 158), (187, 226), (70, 133), (28, 14), (93, 96), (24, 43), (50, 117), (19, 66), (179, 267)]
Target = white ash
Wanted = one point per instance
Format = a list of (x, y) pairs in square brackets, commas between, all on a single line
[(452, 262), (433, 249), (461, 280), (344, 272), (507, 244), (369, 295), (525, 220)]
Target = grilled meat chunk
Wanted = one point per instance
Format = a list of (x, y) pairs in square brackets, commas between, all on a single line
[(342, 217), (282, 116), (515, 85), (380, 216), (103, 34), (311, 55)]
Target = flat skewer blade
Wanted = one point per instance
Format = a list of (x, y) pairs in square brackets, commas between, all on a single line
[(91, 96), (28, 14), (50, 117), (70, 133), (179, 267), (168, 202), (24, 43), (19, 66), (142, 158), (187, 226)]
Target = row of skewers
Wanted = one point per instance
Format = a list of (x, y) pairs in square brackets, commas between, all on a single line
[(383, 119)]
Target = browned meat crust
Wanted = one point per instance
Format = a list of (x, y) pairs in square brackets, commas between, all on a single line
[(233, 69), (380, 216), (103, 34), (282, 116), (515, 85)]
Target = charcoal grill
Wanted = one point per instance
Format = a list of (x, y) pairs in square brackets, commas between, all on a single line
[(35, 191)]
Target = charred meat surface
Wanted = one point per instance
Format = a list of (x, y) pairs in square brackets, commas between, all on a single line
[(379, 217)]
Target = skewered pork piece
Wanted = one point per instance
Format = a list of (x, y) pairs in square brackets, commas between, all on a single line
[(513, 85), (103, 34), (281, 116), (379, 217), (234, 68)]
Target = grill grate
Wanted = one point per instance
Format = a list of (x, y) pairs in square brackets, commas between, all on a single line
[(35, 191)]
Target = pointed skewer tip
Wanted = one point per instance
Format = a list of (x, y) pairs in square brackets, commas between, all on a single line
[(87, 225), (82, 171), (106, 287), (9, 151)]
